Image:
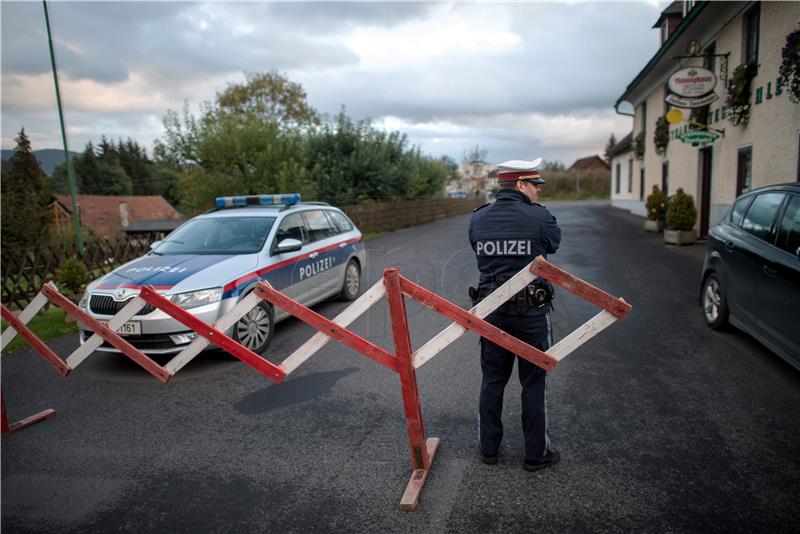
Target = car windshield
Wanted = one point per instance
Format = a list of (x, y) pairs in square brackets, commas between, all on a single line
[(217, 235)]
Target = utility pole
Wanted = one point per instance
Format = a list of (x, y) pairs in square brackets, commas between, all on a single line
[(76, 222)]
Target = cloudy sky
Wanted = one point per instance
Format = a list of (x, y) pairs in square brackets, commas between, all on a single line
[(518, 79)]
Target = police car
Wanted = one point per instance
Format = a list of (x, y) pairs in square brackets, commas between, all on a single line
[(309, 251)]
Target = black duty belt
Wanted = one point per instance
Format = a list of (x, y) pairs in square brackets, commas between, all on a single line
[(535, 295)]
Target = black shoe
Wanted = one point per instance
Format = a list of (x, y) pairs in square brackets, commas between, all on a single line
[(490, 460), (551, 458)]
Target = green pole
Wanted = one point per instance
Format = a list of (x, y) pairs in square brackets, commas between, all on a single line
[(76, 222)]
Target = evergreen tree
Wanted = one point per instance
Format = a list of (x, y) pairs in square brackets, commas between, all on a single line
[(107, 152), (26, 194), (98, 172), (135, 163), (612, 142)]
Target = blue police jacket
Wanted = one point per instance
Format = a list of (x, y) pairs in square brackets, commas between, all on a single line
[(509, 234)]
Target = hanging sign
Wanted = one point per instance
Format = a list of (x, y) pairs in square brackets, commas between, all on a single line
[(697, 137), (692, 82), (682, 102)]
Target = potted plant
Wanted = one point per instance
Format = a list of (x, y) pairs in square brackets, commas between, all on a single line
[(655, 210), (681, 216)]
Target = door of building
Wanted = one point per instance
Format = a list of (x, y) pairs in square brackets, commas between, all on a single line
[(705, 189)]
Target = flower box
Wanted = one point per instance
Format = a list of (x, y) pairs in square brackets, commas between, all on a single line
[(680, 237)]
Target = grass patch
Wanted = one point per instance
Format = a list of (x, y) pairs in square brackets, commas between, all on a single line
[(46, 325), (372, 235)]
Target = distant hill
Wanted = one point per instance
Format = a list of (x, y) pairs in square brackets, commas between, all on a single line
[(49, 158)]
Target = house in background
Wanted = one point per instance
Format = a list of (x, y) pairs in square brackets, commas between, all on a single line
[(590, 163), (112, 216), (473, 180), (718, 164), (623, 194)]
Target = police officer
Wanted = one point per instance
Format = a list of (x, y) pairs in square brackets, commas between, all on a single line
[(506, 236)]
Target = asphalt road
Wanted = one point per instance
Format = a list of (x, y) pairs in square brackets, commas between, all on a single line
[(663, 425)]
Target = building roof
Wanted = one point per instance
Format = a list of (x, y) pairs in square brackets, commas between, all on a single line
[(675, 8), (625, 145), (675, 37), (105, 214), (587, 163)]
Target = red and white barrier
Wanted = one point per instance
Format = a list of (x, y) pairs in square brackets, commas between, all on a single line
[(107, 332), (404, 362)]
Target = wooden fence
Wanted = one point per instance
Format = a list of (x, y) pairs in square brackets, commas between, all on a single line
[(24, 275), (388, 216)]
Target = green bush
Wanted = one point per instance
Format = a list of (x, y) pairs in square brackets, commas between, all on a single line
[(681, 213), (655, 204), (72, 276)]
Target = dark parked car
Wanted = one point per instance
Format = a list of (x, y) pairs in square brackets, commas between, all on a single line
[(751, 275)]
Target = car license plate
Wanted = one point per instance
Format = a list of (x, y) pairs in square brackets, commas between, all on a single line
[(131, 328)]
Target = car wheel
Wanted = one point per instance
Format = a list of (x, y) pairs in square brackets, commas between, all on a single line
[(715, 309), (256, 328), (352, 281)]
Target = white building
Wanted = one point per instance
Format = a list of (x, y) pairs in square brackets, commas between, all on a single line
[(765, 150), (623, 192)]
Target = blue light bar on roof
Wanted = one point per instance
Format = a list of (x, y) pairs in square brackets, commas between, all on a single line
[(287, 199)]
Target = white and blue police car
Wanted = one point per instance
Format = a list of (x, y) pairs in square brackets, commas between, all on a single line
[(309, 251)]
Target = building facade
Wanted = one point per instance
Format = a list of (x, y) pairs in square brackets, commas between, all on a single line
[(623, 192), (717, 163)]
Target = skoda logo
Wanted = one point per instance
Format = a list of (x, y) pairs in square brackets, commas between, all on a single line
[(120, 292)]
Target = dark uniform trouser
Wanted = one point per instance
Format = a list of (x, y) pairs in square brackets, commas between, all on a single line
[(497, 364)]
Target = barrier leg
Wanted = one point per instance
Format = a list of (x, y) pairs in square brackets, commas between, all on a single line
[(8, 429), (422, 450)]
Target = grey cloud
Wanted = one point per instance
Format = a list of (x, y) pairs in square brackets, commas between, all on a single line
[(106, 41), (335, 16), (571, 56)]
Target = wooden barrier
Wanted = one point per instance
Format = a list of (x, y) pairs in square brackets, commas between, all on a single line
[(404, 362)]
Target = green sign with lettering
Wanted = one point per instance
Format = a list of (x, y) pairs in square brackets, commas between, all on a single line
[(698, 137)]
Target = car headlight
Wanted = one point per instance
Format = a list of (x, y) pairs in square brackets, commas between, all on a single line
[(84, 302), (193, 299)]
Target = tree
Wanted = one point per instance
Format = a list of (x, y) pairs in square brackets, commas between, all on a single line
[(554, 165), (476, 154), (26, 194), (612, 142), (238, 156), (352, 161), (96, 174), (270, 96), (262, 137)]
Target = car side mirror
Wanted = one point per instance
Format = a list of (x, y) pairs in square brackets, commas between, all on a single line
[(154, 244), (288, 245)]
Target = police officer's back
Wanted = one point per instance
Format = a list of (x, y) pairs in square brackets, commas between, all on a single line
[(506, 236)]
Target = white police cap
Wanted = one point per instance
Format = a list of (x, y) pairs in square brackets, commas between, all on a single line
[(519, 169)]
